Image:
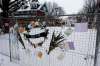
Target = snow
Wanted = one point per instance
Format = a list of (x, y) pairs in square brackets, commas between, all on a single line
[(4, 44), (5, 61), (84, 48)]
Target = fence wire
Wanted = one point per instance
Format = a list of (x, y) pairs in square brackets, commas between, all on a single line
[(80, 31)]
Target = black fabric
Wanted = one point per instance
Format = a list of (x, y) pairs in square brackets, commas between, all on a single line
[(43, 34), (20, 39)]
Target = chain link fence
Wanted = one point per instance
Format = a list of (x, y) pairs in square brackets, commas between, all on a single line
[(79, 46)]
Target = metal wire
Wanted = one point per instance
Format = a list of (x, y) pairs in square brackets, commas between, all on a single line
[(91, 37)]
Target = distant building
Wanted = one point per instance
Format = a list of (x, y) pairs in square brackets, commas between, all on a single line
[(71, 20), (34, 8), (30, 11)]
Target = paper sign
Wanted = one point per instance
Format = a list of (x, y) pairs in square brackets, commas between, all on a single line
[(68, 31), (71, 45), (81, 27)]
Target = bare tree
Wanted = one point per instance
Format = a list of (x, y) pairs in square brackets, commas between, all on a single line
[(89, 7), (54, 9)]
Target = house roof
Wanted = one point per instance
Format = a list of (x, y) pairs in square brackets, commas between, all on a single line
[(40, 10)]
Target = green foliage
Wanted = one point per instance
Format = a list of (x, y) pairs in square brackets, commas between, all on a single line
[(55, 41)]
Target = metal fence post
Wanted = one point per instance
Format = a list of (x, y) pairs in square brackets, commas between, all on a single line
[(97, 39), (10, 44)]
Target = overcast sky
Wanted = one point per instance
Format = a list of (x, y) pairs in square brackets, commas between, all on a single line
[(70, 6)]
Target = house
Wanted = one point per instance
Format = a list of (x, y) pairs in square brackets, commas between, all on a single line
[(31, 11), (71, 20)]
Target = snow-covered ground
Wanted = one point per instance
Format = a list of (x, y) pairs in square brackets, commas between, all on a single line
[(83, 55)]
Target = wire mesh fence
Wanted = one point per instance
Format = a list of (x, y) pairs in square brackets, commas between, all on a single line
[(30, 39)]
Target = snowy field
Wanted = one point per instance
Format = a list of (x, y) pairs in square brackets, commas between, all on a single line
[(82, 55)]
